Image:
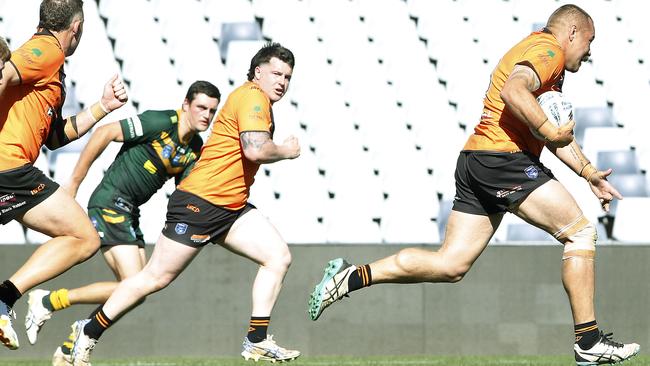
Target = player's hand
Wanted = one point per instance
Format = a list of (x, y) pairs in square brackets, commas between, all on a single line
[(603, 189), (292, 147), (562, 136), (114, 94)]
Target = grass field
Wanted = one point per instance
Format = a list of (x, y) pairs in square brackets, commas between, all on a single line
[(346, 361)]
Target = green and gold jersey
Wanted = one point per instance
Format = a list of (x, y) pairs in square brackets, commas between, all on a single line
[(151, 154)]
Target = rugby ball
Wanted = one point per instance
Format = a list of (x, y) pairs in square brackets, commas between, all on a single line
[(558, 110)]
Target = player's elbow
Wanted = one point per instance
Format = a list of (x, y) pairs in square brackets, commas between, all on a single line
[(254, 155), (455, 272)]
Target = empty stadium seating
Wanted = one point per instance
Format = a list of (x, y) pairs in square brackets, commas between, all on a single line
[(382, 99)]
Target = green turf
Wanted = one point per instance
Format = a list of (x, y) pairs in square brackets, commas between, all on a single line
[(345, 361)]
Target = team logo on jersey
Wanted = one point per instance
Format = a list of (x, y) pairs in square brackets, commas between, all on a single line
[(37, 52), (532, 172), (180, 228), (550, 53)]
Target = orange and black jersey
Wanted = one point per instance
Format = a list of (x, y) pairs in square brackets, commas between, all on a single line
[(223, 175), (499, 129), (28, 110)]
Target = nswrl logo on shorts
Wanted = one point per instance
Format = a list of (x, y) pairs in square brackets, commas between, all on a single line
[(180, 228), (532, 172)]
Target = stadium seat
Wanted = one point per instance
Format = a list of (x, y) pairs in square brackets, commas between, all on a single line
[(240, 31), (598, 139), (622, 161), (591, 117), (628, 185), (631, 220), (238, 59)]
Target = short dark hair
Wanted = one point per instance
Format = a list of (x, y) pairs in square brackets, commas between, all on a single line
[(266, 53), (57, 15), (568, 11), (5, 54), (202, 87)]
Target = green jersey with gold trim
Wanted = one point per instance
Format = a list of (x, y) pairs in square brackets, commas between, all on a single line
[(151, 154)]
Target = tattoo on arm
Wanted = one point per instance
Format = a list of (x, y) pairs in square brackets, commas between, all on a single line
[(526, 74), (580, 158), (254, 139)]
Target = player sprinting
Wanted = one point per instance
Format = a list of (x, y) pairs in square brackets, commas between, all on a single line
[(32, 93), (158, 145), (211, 206), (498, 171)]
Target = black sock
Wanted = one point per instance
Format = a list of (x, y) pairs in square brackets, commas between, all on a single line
[(257, 328), (360, 278), (587, 334), (9, 294), (97, 325)]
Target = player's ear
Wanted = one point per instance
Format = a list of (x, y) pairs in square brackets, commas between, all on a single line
[(186, 105), (572, 32)]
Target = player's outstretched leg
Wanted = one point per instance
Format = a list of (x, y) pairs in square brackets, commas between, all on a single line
[(37, 314), (267, 350), (8, 336), (332, 287), (605, 352)]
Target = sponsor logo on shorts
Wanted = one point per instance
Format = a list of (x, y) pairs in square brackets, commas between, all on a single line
[(193, 208), (199, 238), (94, 221), (506, 192), (532, 172), (180, 228), (101, 234), (7, 199), (38, 189)]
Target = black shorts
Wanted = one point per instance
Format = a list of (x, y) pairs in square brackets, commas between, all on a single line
[(492, 182), (21, 189), (116, 227), (193, 221)]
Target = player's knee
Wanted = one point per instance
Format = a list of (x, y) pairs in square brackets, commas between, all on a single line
[(88, 245), (280, 262), (579, 239), (454, 272)]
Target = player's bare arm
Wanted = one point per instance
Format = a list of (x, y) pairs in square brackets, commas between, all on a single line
[(518, 96), (73, 127), (96, 145), (258, 147)]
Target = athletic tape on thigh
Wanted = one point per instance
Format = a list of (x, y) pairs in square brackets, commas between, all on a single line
[(579, 239)]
